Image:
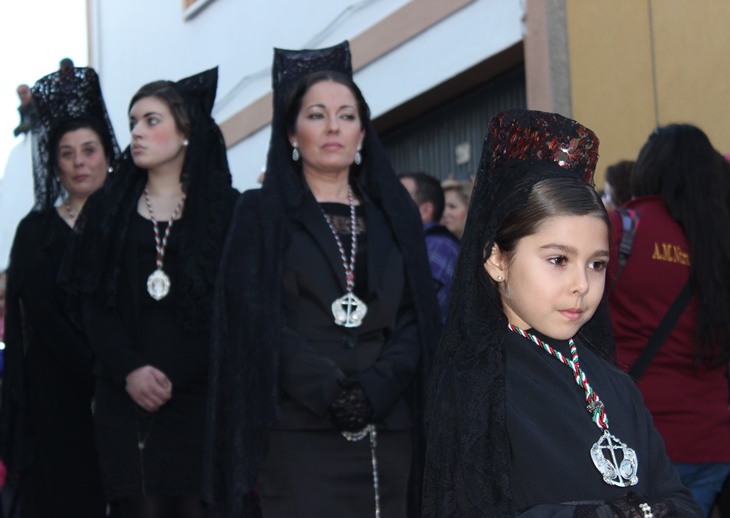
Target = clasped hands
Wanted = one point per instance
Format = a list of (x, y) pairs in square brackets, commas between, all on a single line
[(149, 387), (351, 410)]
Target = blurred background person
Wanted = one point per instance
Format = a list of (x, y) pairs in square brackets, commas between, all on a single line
[(680, 257), (617, 189), (26, 110), (457, 194), (47, 430), (441, 245)]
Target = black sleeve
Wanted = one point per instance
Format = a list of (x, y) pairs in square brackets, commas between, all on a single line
[(14, 418), (111, 343), (549, 511), (306, 375), (34, 270), (387, 379), (49, 322)]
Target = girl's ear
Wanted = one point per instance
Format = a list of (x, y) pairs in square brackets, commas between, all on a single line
[(496, 265)]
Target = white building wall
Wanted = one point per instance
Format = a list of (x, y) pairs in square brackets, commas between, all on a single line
[(137, 41), (16, 195)]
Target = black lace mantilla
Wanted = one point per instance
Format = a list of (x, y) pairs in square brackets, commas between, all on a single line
[(206, 179), (67, 95)]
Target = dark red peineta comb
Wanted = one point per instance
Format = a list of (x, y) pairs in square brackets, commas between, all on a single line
[(543, 137)]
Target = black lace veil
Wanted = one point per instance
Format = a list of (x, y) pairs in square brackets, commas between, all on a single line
[(289, 67), (247, 313), (94, 265), (70, 94), (468, 451)]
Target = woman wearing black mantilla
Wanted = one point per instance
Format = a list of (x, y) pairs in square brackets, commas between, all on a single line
[(325, 313), (149, 250), (47, 431)]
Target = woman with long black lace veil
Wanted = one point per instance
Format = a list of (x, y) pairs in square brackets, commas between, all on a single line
[(47, 431), (147, 257), (324, 316), (528, 415)]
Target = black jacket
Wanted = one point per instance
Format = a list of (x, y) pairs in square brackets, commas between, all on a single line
[(382, 354)]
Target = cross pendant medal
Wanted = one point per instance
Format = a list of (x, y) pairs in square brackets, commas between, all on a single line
[(348, 310)]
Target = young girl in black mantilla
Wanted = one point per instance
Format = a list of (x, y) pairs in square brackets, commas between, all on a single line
[(528, 414)]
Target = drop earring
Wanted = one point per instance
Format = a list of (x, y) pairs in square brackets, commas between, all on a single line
[(295, 154), (358, 157), (186, 142), (110, 170)]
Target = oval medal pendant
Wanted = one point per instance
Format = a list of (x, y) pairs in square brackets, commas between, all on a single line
[(615, 460), (349, 310), (158, 284)]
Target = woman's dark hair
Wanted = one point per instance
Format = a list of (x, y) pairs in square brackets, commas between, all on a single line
[(168, 92), (679, 163), (294, 104), (618, 176), (560, 196), (77, 124)]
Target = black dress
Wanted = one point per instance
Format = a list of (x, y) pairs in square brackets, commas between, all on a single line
[(551, 433), (141, 331), (49, 383)]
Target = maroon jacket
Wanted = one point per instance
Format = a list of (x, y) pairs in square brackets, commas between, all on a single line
[(689, 405)]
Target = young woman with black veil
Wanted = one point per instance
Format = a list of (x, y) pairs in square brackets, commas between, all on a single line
[(680, 186), (528, 415), (325, 314), (47, 431), (148, 255)]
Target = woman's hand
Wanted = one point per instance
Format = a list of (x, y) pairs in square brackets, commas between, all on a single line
[(351, 410), (149, 387)]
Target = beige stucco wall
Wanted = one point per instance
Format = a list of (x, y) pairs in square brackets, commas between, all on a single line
[(612, 90)]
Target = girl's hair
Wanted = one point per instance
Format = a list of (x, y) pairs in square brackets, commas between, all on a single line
[(77, 124), (679, 163), (294, 104), (461, 187), (560, 196), (168, 92)]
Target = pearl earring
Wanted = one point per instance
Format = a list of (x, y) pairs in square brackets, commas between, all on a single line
[(110, 170), (186, 142), (500, 278)]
